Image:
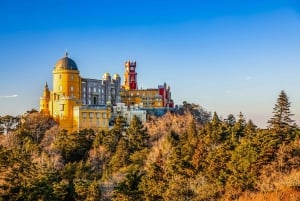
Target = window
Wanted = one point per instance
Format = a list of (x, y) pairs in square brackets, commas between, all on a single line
[(91, 115), (84, 115), (98, 115), (104, 115), (61, 107), (95, 90), (72, 88), (60, 88)]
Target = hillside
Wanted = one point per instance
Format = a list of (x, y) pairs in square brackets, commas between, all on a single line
[(185, 155)]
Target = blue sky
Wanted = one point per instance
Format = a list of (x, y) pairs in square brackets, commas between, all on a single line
[(228, 56)]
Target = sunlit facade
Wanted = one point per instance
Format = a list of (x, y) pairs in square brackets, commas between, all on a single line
[(77, 103), (159, 97)]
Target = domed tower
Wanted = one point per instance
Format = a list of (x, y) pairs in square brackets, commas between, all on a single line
[(130, 76), (66, 79), (44, 100), (66, 91)]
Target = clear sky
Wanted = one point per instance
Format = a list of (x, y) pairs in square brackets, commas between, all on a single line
[(229, 56)]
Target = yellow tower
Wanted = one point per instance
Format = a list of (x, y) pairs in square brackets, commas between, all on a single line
[(44, 100), (66, 92), (64, 102)]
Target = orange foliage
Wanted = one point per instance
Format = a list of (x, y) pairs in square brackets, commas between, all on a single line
[(287, 194)]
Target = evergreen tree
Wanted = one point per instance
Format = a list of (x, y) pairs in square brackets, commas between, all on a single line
[(237, 130), (137, 135), (281, 121), (128, 188), (215, 132), (121, 157), (112, 137), (250, 129), (281, 125), (215, 119), (154, 184)]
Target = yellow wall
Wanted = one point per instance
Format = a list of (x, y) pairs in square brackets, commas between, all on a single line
[(85, 117), (150, 98), (67, 83), (64, 103), (65, 95)]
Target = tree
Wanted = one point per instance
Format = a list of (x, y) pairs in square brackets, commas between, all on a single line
[(121, 157), (237, 130), (128, 188), (281, 123), (112, 137), (198, 113), (153, 183), (137, 135), (215, 119), (37, 124)]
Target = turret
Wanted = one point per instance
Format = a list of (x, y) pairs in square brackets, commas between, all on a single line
[(44, 100)]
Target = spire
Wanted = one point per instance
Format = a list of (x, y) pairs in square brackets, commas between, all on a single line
[(66, 53), (46, 91)]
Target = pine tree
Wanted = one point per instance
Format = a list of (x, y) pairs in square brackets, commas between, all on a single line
[(281, 123), (121, 156), (215, 119), (112, 137), (137, 135), (237, 131), (128, 188), (154, 184)]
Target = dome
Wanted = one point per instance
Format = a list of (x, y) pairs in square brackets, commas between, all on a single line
[(65, 63), (106, 76), (116, 76)]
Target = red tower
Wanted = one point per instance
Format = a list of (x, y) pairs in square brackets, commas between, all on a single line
[(130, 76)]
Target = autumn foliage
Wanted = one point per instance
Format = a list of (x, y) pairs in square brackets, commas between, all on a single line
[(187, 154)]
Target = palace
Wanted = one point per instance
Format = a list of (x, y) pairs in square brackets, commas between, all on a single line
[(77, 103), (147, 98)]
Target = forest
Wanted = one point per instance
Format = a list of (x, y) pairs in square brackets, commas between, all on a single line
[(190, 155)]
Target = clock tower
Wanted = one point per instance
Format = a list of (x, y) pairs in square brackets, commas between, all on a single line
[(130, 76)]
